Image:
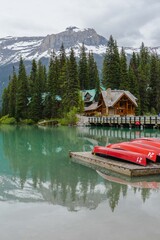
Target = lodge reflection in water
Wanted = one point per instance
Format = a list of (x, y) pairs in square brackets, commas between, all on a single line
[(111, 135), (42, 170)]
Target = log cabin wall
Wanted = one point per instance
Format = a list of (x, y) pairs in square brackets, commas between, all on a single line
[(124, 107), (104, 110)]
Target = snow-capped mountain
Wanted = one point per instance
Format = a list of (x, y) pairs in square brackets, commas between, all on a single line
[(29, 48), (12, 48)]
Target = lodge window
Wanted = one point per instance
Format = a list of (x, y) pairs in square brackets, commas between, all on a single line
[(87, 97)]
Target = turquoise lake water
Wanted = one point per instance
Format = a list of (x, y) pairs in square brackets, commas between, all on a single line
[(46, 195)]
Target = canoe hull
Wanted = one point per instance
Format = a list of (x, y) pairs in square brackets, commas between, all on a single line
[(128, 146), (129, 156), (148, 146), (148, 142)]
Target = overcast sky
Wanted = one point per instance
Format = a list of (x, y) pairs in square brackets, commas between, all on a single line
[(129, 21)]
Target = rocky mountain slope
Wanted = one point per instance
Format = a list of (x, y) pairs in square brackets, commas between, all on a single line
[(30, 48), (12, 48)]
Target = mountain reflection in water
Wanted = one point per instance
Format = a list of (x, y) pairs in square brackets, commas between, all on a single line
[(35, 166)]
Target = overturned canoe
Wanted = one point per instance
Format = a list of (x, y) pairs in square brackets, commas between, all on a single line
[(148, 139), (129, 146), (128, 156), (147, 146), (147, 142)]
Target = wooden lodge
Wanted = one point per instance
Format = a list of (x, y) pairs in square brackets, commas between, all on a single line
[(111, 103)]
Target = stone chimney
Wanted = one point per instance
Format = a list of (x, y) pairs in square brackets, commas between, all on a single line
[(109, 96)]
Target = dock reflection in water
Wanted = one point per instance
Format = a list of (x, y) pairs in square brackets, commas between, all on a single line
[(112, 135), (147, 182), (44, 195), (35, 167)]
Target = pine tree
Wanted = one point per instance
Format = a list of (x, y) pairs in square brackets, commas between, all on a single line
[(64, 78), (116, 75), (32, 78), (71, 84), (5, 101), (83, 69), (62, 56), (31, 88), (45, 79), (93, 73), (62, 65), (53, 88), (157, 90), (12, 95), (133, 75), (124, 83), (41, 73), (154, 85), (73, 80), (111, 66), (134, 86), (22, 92), (35, 105), (143, 78)]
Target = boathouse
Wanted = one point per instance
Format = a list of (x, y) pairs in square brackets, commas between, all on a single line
[(113, 102)]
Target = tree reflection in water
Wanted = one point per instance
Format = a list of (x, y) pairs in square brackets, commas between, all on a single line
[(39, 157)]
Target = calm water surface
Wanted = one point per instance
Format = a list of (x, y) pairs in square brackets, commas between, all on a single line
[(45, 195)]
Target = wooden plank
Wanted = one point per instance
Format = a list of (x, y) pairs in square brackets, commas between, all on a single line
[(144, 120), (48, 122), (125, 168)]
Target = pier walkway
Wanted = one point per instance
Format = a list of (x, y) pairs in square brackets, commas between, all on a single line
[(129, 169), (130, 121)]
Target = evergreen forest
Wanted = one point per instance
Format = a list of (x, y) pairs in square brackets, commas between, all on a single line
[(52, 92)]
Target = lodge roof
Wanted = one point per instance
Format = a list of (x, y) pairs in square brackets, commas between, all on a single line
[(88, 95), (111, 97), (92, 107)]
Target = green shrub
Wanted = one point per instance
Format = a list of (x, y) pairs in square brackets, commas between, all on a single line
[(63, 122), (8, 120), (27, 121), (70, 118)]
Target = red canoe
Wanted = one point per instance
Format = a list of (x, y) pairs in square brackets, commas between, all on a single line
[(149, 139), (128, 146), (129, 156), (147, 146), (144, 141)]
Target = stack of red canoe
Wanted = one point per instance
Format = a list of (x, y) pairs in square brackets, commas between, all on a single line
[(137, 151)]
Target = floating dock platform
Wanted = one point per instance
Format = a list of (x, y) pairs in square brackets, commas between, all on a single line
[(128, 169)]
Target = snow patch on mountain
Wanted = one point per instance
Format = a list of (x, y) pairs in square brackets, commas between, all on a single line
[(94, 49), (38, 56), (101, 49), (23, 45), (29, 48), (11, 48)]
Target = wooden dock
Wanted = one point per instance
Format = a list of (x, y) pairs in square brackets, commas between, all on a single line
[(128, 169), (48, 123), (129, 121)]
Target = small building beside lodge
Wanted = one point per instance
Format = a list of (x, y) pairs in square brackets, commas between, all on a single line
[(111, 102), (89, 97)]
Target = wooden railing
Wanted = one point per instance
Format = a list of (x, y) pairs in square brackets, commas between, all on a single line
[(127, 120)]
